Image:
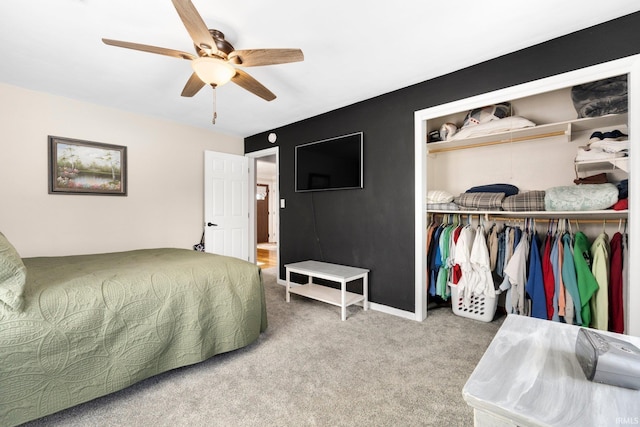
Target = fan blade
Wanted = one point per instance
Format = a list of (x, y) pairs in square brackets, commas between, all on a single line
[(151, 49), (247, 82), (194, 84), (196, 27), (255, 57)]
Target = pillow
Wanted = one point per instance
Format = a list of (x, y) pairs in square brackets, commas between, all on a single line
[(524, 202), (486, 114), (491, 201), (439, 196), (13, 275), (583, 197), (495, 126)]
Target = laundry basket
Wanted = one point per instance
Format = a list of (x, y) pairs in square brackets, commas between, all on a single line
[(479, 307)]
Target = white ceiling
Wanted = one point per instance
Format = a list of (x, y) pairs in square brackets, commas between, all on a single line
[(354, 50)]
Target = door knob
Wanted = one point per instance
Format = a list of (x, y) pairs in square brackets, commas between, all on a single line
[(210, 224)]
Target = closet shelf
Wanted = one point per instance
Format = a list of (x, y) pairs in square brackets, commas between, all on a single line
[(565, 129), (578, 215), (585, 166)]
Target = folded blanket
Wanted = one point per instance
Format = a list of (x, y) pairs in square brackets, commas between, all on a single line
[(471, 208), (524, 202), (486, 201), (600, 178), (583, 197), (623, 189), (607, 96), (585, 154), (442, 207), (507, 189), (621, 205)]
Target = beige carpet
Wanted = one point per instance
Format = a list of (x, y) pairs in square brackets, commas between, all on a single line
[(312, 369)]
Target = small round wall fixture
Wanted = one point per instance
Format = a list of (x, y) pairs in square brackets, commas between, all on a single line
[(272, 137)]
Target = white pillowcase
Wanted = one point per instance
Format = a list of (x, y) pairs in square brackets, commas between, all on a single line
[(494, 126), (439, 196)]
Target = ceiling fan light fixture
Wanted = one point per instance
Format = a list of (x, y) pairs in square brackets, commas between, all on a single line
[(213, 71)]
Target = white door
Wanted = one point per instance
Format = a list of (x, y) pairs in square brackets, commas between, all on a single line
[(226, 204)]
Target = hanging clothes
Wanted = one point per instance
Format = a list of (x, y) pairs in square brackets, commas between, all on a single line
[(492, 245), (508, 244), (600, 249), (562, 290), (535, 281), (548, 278), (483, 280), (456, 272), (517, 234), (447, 249), (587, 284), (563, 278), (462, 258), (556, 264), (570, 280), (430, 232), (625, 272), (500, 261), (616, 311), (434, 259), (516, 270), (443, 271)]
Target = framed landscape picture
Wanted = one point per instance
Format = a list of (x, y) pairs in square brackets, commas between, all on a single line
[(85, 167)]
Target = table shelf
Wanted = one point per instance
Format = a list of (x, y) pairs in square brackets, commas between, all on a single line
[(326, 294), (332, 272)]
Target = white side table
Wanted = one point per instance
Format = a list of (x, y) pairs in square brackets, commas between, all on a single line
[(335, 273), (530, 376)]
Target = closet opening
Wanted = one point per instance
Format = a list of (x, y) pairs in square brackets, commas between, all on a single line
[(535, 158)]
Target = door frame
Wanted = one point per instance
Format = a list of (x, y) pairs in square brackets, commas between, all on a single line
[(253, 225)]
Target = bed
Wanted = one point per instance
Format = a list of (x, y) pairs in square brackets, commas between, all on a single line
[(88, 325)]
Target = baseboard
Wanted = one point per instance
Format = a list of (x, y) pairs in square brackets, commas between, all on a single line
[(374, 306), (392, 310)]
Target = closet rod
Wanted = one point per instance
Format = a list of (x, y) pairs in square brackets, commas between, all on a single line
[(580, 221)]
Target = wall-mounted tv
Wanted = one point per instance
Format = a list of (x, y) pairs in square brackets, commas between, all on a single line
[(330, 164)]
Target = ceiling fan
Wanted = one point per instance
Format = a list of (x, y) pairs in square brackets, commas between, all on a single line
[(216, 57)]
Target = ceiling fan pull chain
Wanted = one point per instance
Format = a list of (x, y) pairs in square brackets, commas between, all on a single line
[(215, 113)]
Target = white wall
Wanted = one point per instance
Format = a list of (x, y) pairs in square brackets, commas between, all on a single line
[(164, 205)]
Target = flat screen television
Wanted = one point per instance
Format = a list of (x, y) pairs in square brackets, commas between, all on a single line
[(330, 164)]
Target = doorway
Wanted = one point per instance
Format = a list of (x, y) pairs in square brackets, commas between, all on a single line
[(263, 227), (266, 209)]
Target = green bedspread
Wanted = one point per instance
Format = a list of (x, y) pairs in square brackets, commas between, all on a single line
[(94, 324)]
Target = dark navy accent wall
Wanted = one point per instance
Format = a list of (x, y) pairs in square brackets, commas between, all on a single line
[(373, 227)]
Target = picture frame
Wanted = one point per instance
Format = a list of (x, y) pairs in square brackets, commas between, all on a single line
[(86, 167)]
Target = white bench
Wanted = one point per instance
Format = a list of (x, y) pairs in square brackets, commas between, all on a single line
[(335, 273)]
